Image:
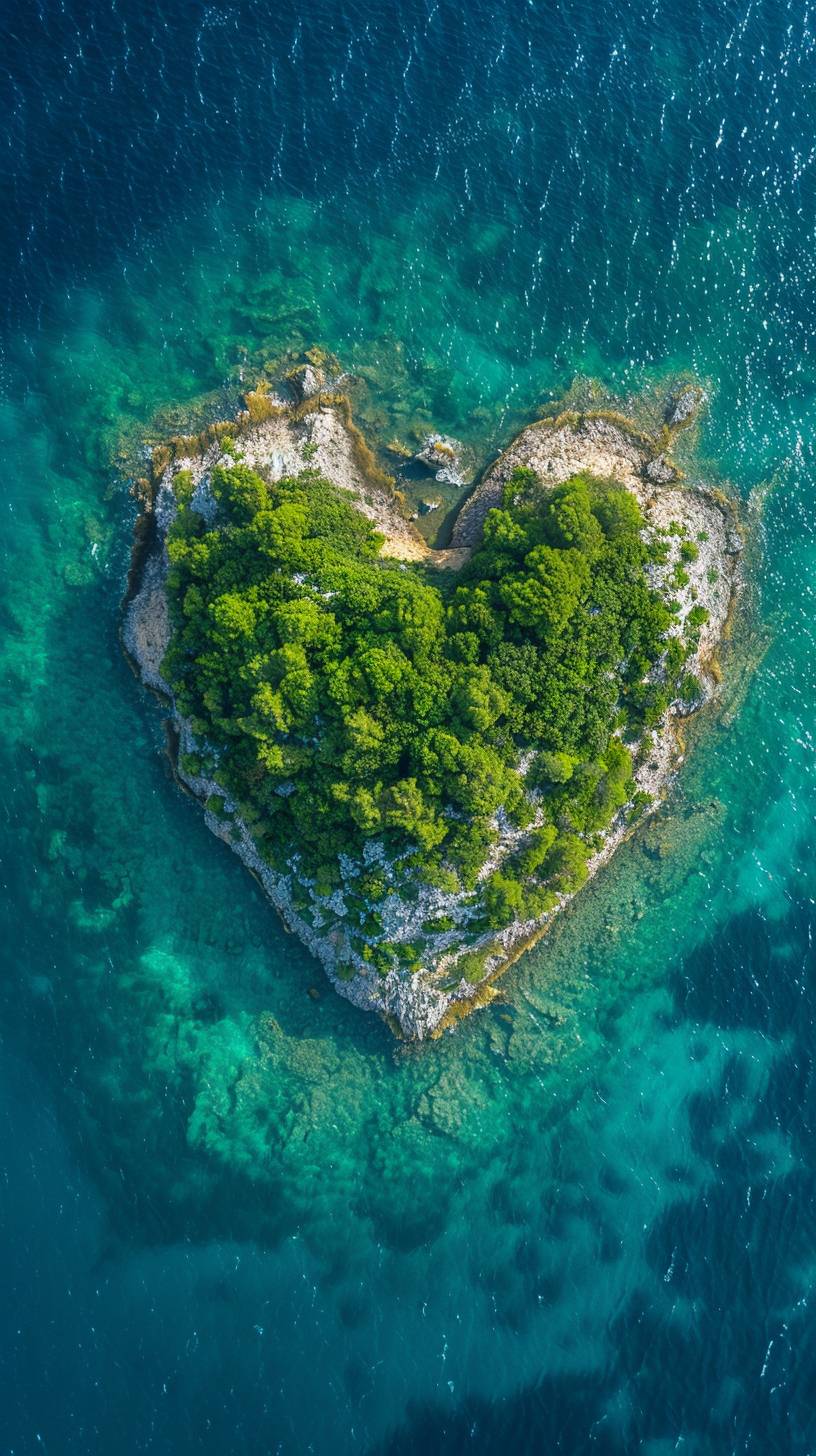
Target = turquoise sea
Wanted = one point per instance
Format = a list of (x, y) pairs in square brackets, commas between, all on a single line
[(238, 1217)]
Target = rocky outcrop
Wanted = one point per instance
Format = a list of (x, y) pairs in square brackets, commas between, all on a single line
[(660, 471), (305, 381), (683, 405), (448, 460), (318, 373)]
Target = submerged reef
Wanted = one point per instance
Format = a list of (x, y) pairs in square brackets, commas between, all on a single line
[(423, 754)]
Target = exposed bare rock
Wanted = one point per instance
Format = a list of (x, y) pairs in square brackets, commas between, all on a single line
[(306, 381), (683, 405), (660, 471), (146, 625), (448, 460)]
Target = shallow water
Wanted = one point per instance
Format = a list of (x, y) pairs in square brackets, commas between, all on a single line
[(240, 1218)]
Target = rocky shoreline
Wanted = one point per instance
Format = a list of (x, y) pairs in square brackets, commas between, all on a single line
[(279, 438)]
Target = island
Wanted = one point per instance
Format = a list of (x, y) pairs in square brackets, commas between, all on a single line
[(423, 755)]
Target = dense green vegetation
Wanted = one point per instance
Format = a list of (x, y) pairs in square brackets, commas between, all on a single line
[(339, 697)]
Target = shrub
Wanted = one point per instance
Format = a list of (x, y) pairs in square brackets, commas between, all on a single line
[(532, 857), (439, 925), (555, 768), (502, 898), (472, 966), (640, 803), (690, 688), (567, 863), (183, 486)]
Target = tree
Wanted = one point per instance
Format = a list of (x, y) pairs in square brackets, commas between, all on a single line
[(567, 863), (502, 898), (569, 520), (407, 809), (477, 702), (545, 597), (555, 767)]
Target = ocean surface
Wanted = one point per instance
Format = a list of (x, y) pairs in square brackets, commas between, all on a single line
[(240, 1218)]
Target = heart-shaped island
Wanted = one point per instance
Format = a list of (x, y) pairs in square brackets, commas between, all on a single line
[(422, 755)]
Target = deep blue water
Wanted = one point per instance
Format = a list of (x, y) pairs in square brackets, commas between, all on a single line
[(236, 1217)]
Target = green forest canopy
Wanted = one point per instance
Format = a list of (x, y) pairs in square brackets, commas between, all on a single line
[(339, 696)]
